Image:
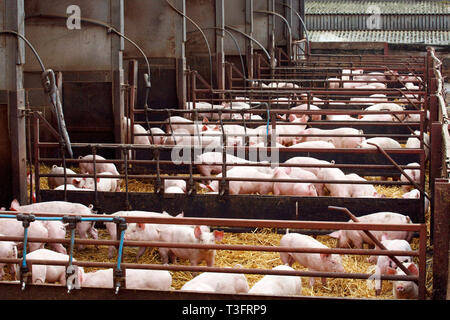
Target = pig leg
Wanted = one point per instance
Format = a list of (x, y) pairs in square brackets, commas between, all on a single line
[(58, 247), (111, 228), (141, 251), (164, 253), (13, 270)]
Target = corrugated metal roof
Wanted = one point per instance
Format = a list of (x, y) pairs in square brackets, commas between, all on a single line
[(399, 37), (386, 6)]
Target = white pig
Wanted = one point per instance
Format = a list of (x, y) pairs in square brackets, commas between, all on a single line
[(291, 189), (313, 261), (415, 194), (278, 285), (8, 249), (103, 183), (308, 161), (336, 190), (54, 182), (180, 184), (187, 234), (56, 230), (134, 279), (361, 190), (405, 289), (347, 238), (414, 174), (383, 263), (383, 142), (314, 144), (135, 231), (50, 273), (88, 167), (158, 136), (228, 283), (63, 207), (244, 187), (14, 228)]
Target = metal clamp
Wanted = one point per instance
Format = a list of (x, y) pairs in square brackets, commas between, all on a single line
[(119, 274), (25, 270), (70, 270)]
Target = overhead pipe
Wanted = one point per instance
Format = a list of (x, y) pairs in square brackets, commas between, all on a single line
[(49, 85), (282, 18), (301, 21), (204, 37)]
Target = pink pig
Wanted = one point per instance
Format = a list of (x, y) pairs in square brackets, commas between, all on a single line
[(278, 285), (405, 289), (292, 189), (313, 261), (414, 174), (187, 234), (231, 283), (335, 189), (67, 208), (8, 249), (134, 279), (346, 238), (88, 167), (48, 273)]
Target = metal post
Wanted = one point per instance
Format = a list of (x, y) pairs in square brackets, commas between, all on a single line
[(249, 31), (441, 231), (15, 59), (220, 34), (180, 53)]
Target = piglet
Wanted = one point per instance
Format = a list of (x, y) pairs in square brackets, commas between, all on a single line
[(180, 184), (405, 289), (289, 188), (322, 262), (104, 183), (228, 283), (136, 231), (415, 194), (335, 189), (14, 228), (347, 238), (88, 167), (51, 273), (384, 262), (62, 207), (414, 174), (56, 230), (8, 249), (383, 142), (187, 234), (361, 190), (278, 285), (244, 187), (134, 279), (54, 182)]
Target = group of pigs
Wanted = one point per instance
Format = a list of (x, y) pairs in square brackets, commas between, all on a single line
[(207, 281)]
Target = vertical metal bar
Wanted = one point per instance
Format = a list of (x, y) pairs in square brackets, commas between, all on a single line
[(15, 54), (441, 231), (435, 167), (249, 31), (36, 156), (220, 51), (180, 52), (422, 260), (127, 201)]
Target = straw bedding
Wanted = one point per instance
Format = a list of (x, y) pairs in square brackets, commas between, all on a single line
[(259, 259)]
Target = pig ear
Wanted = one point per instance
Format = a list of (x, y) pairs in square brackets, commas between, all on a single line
[(203, 186), (335, 234), (15, 205), (391, 271), (98, 180), (140, 226), (76, 180), (180, 215), (197, 232), (413, 269), (205, 120), (218, 235), (210, 188), (325, 256), (292, 117), (205, 127)]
